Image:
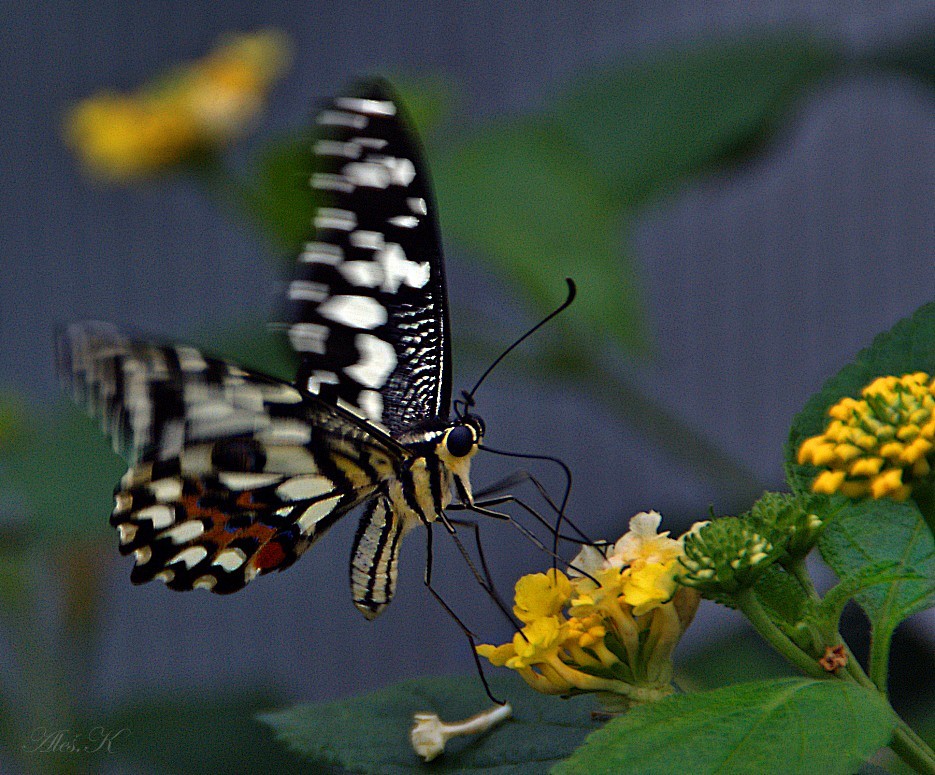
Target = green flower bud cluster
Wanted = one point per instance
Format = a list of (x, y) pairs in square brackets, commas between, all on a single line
[(724, 556), (788, 521)]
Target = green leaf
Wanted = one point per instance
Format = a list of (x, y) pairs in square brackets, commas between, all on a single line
[(865, 534), (63, 470), (834, 600), (649, 125), (534, 206), (907, 347), (194, 734), (810, 726), (371, 733), (781, 595)]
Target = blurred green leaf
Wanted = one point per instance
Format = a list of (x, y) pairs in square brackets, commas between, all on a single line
[(64, 470), (11, 419), (253, 345), (649, 125), (371, 733), (427, 100), (525, 197), (866, 534), (195, 734), (812, 726), (280, 198), (907, 347), (914, 57)]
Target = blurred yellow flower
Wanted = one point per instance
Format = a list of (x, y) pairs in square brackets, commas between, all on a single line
[(202, 105), (879, 445)]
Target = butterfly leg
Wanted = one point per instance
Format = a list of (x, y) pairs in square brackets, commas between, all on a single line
[(486, 582), (519, 477), (472, 638), (481, 507)]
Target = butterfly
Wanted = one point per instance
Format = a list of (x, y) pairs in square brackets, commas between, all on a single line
[(234, 474)]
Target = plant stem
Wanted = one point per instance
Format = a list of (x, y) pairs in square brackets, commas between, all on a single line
[(798, 570), (747, 602), (909, 747), (879, 660)]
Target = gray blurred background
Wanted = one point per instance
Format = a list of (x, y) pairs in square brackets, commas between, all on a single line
[(760, 283)]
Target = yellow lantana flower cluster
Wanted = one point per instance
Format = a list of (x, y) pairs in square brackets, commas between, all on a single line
[(877, 445), (610, 626), (202, 105)]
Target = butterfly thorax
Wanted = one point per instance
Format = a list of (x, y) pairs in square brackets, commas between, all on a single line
[(441, 460)]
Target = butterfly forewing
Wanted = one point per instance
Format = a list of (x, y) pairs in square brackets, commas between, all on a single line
[(233, 473), (368, 305)]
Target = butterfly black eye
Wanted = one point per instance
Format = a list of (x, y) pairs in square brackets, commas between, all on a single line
[(241, 455), (460, 440)]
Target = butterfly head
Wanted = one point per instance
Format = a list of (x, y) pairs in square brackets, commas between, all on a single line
[(462, 439)]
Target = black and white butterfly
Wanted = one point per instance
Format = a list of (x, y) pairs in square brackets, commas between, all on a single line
[(235, 474)]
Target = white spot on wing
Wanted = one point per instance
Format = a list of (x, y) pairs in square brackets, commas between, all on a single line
[(369, 174), (307, 290), (230, 559), (365, 274), (316, 512), (308, 337), (205, 582), (341, 118), (321, 377), (398, 269), (304, 487), (404, 221), (328, 181), (127, 532), (372, 404), (335, 218), (337, 148), (371, 240), (417, 205), (184, 532), (160, 516), (142, 555), (321, 253), (166, 490), (190, 359), (285, 432), (354, 311), (373, 107), (247, 481), (377, 361), (190, 556)]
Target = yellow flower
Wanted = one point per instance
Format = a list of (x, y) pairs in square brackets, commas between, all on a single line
[(878, 445), (202, 105), (650, 586), (611, 628), (541, 595)]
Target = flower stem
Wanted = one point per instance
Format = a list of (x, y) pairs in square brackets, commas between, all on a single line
[(747, 602), (911, 748)]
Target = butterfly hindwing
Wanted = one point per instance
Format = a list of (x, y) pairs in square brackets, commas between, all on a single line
[(368, 303), (233, 473)]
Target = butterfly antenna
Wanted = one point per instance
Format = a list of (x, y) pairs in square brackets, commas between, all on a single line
[(572, 290)]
